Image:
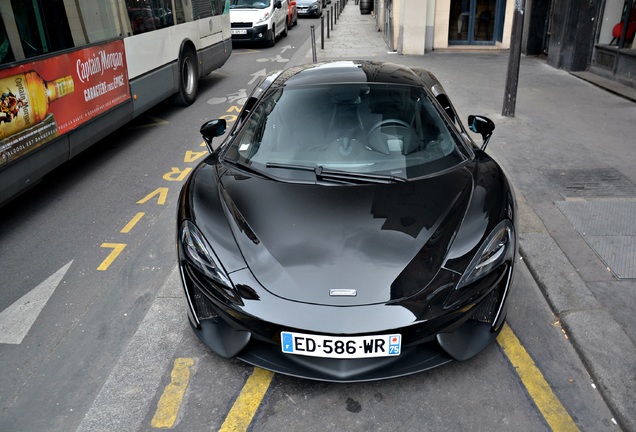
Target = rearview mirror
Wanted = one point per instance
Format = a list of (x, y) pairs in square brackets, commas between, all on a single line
[(212, 129), (481, 125)]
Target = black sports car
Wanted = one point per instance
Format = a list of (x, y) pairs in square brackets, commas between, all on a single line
[(347, 228)]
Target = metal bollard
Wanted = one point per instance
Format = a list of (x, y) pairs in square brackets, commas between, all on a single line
[(322, 32), (328, 24), (335, 14), (313, 43)]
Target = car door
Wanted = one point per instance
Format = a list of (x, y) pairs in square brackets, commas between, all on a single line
[(281, 16)]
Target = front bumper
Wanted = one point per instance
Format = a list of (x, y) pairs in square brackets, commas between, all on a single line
[(249, 327), (250, 34), (307, 12)]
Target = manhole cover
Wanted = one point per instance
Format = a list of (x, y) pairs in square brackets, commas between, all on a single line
[(588, 183)]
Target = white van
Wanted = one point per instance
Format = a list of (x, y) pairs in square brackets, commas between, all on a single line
[(258, 20)]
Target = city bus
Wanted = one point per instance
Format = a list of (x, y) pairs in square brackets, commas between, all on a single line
[(73, 71)]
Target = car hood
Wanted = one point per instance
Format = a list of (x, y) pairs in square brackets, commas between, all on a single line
[(386, 242), (247, 15)]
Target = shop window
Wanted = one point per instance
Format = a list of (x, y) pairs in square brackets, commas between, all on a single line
[(618, 15), (473, 22)]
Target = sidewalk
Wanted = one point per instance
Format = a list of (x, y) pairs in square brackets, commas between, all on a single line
[(570, 152)]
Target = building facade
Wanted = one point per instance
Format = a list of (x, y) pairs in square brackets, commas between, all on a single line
[(574, 35), (592, 35)]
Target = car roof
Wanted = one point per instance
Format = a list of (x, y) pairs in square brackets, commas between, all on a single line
[(350, 71)]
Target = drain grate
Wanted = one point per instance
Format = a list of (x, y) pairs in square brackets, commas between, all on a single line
[(590, 183)]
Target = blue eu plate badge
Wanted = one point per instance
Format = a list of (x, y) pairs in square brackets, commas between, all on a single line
[(288, 345)]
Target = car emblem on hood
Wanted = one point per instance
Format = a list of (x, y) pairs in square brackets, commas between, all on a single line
[(343, 292)]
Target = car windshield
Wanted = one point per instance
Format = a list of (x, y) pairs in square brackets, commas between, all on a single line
[(249, 4), (370, 130)]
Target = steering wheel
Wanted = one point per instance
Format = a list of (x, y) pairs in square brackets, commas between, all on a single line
[(388, 122), (377, 142)]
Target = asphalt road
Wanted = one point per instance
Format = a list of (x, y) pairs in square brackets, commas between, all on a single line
[(94, 245)]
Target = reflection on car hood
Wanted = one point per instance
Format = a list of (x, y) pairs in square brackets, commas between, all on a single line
[(385, 241)]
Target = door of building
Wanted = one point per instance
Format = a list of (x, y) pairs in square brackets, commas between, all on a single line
[(388, 23), (475, 22)]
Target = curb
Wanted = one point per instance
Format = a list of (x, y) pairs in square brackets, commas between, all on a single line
[(586, 323)]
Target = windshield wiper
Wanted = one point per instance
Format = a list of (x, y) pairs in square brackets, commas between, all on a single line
[(248, 168), (349, 177)]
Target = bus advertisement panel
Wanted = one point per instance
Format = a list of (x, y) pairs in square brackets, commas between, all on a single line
[(90, 81)]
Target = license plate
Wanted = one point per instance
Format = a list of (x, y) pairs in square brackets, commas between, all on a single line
[(239, 31), (341, 346)]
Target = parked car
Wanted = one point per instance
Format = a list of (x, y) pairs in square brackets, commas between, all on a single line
[(347, 228), (258, 21), (309, 8), (292, 15)]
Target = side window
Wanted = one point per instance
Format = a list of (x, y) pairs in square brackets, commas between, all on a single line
[(6, 53), (204, 8), (445, 103), (220, 6), (43, 26), (149, 15)]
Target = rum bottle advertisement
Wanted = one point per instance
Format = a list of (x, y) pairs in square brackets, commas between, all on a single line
[(44, 99)]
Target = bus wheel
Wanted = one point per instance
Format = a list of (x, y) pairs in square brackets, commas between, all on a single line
[(188, 78)]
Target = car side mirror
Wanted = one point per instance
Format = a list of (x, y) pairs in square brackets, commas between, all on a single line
[(481, 125), (212, 129), (278, 4)]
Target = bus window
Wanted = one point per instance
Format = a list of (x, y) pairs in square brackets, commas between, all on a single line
[(6, 53), (148, 15), (96, 21), (207, 8), (43, 26), (203, 8)]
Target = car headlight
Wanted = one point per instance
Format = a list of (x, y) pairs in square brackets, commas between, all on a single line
[(263, 18), (199, 253), (491, 255)]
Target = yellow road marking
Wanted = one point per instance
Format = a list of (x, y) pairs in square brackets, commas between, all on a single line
[(116, 250), (176, 174), (162, 192), (170, 401), (130, 225), (229, 118), (191, 156), (550, 407), (248, 401)]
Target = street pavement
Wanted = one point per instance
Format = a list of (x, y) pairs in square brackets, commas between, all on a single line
[(569, 151)]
